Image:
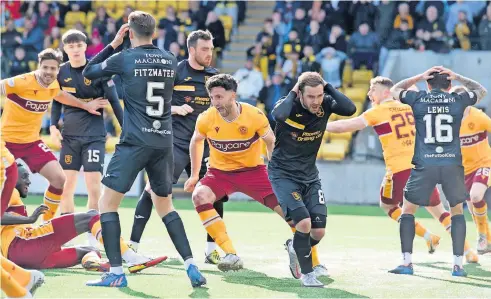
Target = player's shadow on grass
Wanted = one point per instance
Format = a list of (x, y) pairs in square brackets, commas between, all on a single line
[(130, 292), (286, 285), (471, 269)]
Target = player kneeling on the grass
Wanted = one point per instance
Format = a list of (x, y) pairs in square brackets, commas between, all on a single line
[(394, 124), (476, 158), (233, 130), (40, 246), (147, 78), (301, 119), (437, 155)]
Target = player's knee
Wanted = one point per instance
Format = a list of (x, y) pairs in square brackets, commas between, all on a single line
[(476, 196), (201, 196), (457, 210), (304, 225), (58, 180), (317, 233), (385, 207), (318, 221), (301, 219)]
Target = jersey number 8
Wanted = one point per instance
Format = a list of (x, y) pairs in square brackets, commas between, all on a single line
[(151, 98), (439, 128)]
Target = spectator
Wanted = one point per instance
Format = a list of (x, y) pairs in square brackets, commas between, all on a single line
[(100, 20), (110, 32), (464, 30), (44, 19), (163, 41), (309, 64), (403, 15), (95, 47), (11, 11), (331, 66), (453, 15), (187, 24), (363, 11), (53, 40), (250, 83), (11, 38), (300, 22), (175, 49), (336, 39), (292, 44), (291, 68), (431, 32), (315, 38), (264, 56), (385, 18), (268, 29), (363, 47), (337, 13), (181, 40), (321, 19), (271, 94), (279, 26), (32, 39), (19, 65), (215, 26), (124, 19), (81, 27), (171, 22), (401, 38), (228, 8), (485, 30), (422, 7)]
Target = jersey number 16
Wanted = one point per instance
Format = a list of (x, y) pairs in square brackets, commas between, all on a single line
[(153, 99), (442, 124)]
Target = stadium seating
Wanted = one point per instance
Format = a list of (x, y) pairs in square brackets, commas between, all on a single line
[(72, 17), (333, 151), (228, 24)]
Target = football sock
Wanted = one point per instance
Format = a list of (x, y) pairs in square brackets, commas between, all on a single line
[(21, 275), (303, 249), (218, 206), (142, 215), (176, 231), (210, 247), (458, 233), (315, 256), (293, 229), (396, 212), (481, 216), (447, 224), (407, 231), (188, 262), (215, 227), (96, 231), (92, 240), (10, 286), (111, 233), (52, 198), (133, 245)]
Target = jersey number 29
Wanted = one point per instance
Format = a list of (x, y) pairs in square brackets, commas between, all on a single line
[(442, 124), (153, 99)]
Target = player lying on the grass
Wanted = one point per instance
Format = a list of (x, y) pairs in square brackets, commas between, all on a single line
[(301, 119), (476, 158), (16, 282), (437, 155), (147, 77), (83, 138), (28, 97), (394, 124), (189, 99), (40, 246)]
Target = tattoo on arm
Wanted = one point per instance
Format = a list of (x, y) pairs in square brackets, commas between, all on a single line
[(473, 86)]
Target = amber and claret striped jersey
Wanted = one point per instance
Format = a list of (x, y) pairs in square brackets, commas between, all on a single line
[(476, 151), (393, 122), (9, 232), (27, 101), (234, 145)]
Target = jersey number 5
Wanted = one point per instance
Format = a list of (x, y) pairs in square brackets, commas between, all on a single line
[(439, 128), (153, 99)]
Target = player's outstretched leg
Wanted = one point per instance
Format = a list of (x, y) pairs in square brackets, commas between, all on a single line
[(211, 253), (177, 233), (142, 215), (203, 199), (480, 212)]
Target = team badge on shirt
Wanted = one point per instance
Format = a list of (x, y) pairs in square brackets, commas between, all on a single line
[(87, 81), (68, 159)]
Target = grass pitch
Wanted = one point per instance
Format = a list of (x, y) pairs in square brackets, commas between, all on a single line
[(360, 246)]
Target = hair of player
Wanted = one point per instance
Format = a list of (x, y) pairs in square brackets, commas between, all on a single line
[(142, 24), (384, 81), (50, 54), (311, 79), (458, 89), (73, 36), (439, 81), (225, 81), (196, 35)]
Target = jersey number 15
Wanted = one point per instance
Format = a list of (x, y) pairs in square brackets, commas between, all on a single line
[(153, 99)]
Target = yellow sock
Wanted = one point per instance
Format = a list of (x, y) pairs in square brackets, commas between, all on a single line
[(215, 227), (10, 286), (396, 212), (481, 216), (96, 231), (467, 247), (52, 198), (21, 275), (293, 229), (315, 256)]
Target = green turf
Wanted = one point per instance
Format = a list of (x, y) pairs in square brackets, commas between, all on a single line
[(358, 250)]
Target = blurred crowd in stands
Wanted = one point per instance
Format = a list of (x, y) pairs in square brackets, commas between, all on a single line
[(321, 36)]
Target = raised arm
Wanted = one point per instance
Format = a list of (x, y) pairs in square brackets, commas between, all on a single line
[(283, 108), (471, 85), (407, 83), (339, 103)]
